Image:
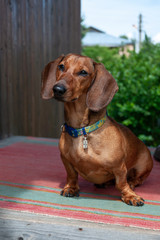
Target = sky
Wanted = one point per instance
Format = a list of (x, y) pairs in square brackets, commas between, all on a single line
[(117, 17)]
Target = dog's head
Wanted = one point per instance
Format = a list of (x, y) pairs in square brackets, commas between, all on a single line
[(68, 77)]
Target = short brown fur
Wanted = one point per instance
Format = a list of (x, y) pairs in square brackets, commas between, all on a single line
[(113, 152)]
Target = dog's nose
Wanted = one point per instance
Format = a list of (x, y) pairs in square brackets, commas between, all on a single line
[(59, 89)]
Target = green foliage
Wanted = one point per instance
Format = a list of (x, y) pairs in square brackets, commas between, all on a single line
[(137, 103), (83, 29), (123, 36)]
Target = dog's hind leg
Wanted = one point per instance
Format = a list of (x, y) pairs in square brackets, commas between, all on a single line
[(140, 172), (127, 194), (137, 178)]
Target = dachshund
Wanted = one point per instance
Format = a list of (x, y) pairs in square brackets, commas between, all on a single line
[(92, 144)]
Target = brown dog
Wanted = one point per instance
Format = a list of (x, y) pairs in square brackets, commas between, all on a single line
[(109, 152)]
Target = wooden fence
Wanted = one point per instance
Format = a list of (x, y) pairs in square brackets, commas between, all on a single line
[(32, 33)]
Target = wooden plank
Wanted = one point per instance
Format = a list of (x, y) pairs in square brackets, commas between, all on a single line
[(39, 63), (2, 20), (13, 65), (25, 226), (9, 68), (25, 67), (20, 87), (4, 75)]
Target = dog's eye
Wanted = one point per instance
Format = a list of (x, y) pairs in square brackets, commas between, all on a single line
[(83, 73), (61, 67)]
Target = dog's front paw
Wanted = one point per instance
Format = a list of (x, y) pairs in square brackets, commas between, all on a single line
[(70, 192), (133, 200)]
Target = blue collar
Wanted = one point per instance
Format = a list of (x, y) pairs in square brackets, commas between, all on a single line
[(75, 132)]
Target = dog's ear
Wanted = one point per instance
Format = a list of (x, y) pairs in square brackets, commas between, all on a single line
[(48, 78), (102, 89)]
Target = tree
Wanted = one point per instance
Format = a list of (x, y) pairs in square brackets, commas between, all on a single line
[(83, 28), (123, 36)]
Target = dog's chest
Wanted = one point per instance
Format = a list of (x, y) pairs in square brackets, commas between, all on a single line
[(91, 163)]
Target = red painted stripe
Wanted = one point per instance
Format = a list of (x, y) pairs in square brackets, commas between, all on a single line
[(84, 216), (33, 188)]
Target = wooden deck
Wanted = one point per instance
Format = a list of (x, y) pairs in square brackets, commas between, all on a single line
[(16, 225)]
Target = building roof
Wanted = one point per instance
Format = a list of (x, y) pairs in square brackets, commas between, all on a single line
[(97, 37), (92, 29)]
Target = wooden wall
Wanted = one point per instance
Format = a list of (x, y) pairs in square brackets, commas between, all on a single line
[(32, 33)]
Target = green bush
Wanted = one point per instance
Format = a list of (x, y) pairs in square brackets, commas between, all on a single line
[(137, 103)]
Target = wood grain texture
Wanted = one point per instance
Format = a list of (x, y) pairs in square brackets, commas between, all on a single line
[(32, 33), (16, 225)]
